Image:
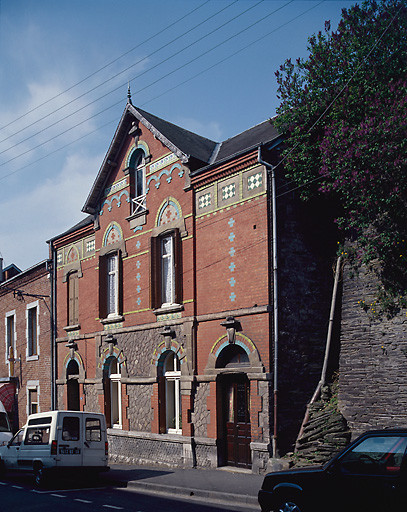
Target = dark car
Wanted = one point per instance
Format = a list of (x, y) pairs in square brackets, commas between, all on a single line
[(370, 474)]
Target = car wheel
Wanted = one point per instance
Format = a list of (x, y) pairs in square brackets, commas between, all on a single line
[(39, 477), (2, 468), (289, 505)]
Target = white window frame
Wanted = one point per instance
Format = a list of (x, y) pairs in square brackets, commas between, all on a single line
[(139, 201), (165, 282), (112, 288), (173, 375), (32, 305), (116, 383), (10, 314), (33, 385)]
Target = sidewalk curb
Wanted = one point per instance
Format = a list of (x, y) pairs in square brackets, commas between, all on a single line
[(185, 492)]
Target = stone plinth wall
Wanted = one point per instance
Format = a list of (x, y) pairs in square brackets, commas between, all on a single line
[(144, 448)]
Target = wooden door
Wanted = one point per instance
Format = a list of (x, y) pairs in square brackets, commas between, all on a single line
[(237, 428)]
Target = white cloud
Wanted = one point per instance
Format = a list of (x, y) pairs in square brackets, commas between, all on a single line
[(26, 222)]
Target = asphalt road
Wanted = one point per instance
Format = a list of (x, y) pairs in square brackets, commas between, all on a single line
[(18, 494)]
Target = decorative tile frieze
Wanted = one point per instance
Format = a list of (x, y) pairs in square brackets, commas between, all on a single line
[(117, 199), (163, 162), (169, 316), (116, 325), (232, 265), (204, 200), (119, 185), (156, 178), (228, 191), (90, 245), (255, 181)]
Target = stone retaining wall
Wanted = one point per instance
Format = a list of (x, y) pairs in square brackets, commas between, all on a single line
[(373, 359)]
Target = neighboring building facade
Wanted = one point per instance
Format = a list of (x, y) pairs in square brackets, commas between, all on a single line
[(164, 299), (25, 332)]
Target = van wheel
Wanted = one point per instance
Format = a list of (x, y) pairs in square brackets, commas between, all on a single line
[(39, 477), (289, 504)]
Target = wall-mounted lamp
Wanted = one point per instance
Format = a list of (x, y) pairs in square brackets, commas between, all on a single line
[(232, 325), (73, 347), (168, 334), (112, 341)]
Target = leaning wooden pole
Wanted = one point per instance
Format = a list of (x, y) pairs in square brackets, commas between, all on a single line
[(322, 380)]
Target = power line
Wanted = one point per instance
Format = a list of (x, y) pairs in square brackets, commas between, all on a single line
[(117, 75), (153, 83), (234, 53), (167, 90), (329, 107), (161, 31)]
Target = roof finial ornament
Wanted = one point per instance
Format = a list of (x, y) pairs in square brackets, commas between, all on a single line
[(129, 94)]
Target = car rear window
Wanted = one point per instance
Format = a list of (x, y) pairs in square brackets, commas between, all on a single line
[(93, 429), (46, 420), (70, 428), (37, 435)]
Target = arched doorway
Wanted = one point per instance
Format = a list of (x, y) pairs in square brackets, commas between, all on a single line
[(72, 379), (234, 407), (112, 393)]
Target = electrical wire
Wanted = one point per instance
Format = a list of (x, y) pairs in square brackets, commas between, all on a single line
[(160, 32), (327, 110), (103, 83), (151, 84), (168, 90)]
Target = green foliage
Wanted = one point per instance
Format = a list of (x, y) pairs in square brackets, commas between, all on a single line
[(344, 111)]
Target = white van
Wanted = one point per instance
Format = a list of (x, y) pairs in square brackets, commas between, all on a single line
[(5, 430), (58, 441)]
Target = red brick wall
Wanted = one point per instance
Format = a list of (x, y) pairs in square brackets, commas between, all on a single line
[(35, 282)]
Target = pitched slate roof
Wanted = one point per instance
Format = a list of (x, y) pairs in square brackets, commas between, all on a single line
[(189, 143), (190, 147), (258, 135)]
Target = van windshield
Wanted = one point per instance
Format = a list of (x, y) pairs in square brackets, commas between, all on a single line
[(4, 423)]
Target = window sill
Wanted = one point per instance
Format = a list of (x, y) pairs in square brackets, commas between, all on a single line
[(112, 319), (174, 431), (137, 219), (171, 308), (73, 327), (32, 358)]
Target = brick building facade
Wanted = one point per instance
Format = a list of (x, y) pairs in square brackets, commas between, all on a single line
[(25, 334), (164, 293)]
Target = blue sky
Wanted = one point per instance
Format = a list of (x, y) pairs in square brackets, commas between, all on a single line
[(207, 66)]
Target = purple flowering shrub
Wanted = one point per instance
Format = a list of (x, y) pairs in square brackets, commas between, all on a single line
[(344, 112)]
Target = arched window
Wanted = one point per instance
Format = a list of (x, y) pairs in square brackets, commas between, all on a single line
[(112, 393), (172, 376), (138, 170), (115, 394), (73, 298), (72, 377)]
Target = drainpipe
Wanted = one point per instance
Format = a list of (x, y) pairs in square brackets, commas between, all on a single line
[(53, 326), (271, 185)]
